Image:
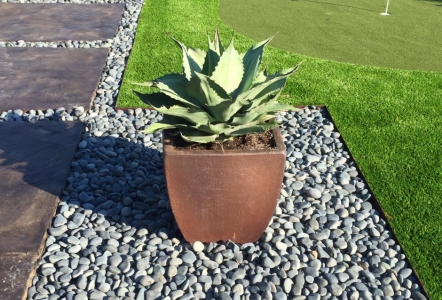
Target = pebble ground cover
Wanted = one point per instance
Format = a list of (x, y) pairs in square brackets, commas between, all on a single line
[(114, 236), (389, 118)]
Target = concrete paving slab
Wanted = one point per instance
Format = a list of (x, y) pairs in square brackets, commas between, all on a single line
[(51, 22), (16, 273), (34, 162), (43, 78)]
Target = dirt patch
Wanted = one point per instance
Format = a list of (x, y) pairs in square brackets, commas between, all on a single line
[(254, 141)]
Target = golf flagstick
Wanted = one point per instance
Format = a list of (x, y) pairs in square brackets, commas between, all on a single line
[(386, 9)]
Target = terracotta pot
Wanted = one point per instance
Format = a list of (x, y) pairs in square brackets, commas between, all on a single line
[(220, 196)]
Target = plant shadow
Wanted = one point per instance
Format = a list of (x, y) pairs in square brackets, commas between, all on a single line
[(34, 162), (124, 182), (114, 179), (36, 154)]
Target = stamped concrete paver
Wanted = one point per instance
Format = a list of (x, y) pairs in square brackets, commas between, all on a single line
[(15, 271), (43, 78), (59, 22), (34, 163)]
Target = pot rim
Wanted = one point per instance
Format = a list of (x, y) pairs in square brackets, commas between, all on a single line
[(169, 148)]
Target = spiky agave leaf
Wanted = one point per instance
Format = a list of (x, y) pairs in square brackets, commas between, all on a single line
[(174, 86), (197, 136), (220, 95), (261, 77), (159, 126), (271, 86), (210, 62), (251, 128), (251, 61), (215, 100), (195, 116), (214, 128), (216, 45), (269, 108), (224, 111), (190, 64), (229, 71), (197, 55), (168, 122), (206, 91), (169, 106)]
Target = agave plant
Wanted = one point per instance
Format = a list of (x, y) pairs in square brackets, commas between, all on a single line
[(221, 93)]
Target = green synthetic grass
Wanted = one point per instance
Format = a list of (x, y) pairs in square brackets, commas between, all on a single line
[(390, 119), (346, 30)]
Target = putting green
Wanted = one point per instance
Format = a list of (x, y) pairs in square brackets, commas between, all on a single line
[(351, 31)]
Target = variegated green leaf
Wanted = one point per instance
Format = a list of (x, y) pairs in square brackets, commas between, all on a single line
[(157, 127), (257, 112), (251, 61), (170, 122), (265, 118), (206, 91), (261, 77), (174, 86), (221, 93), (146, 83), (172, 107), (229, 71), (175, 120), (260, 101), (216, 45), (224, 111), (251, 128), (197, 55), (214, 128), (272, 85), (212, 57), (193, 115), (210, 62), (189, 63), (177, 126), (194, 135)]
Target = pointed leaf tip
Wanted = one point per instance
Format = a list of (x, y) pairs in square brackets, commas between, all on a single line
[(192, 59), (229, 71), (252, 63)]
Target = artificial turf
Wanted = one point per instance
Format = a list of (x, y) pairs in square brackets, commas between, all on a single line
[(390, 119), (346, 30)]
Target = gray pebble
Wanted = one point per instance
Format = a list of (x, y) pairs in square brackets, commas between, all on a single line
[(335, 290), (239, 274), (280, 296), (268, 263), (314, 193)]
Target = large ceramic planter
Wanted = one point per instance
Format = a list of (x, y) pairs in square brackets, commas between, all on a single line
[(228, 195)]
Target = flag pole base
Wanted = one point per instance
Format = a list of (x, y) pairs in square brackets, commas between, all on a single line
[(385, 14)]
